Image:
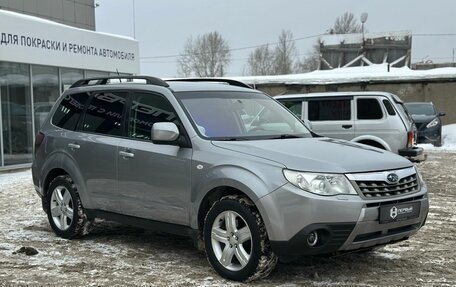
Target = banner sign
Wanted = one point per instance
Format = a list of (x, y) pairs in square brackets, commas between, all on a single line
[(31, 40)]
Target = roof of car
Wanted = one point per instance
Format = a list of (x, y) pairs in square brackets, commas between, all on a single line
[(419, 103), (333, 94), (204, 86), (176, 85)]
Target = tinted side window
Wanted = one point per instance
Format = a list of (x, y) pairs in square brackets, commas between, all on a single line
[(389, 108), (104, 113), (295, 106), (329, 110), (147, 109), (69, 111), (369, 109)]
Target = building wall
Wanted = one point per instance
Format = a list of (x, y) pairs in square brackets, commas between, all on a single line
[(441, 92), (77, 13), (39, 59)]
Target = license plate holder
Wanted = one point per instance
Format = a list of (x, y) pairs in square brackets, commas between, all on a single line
[(399, 212)]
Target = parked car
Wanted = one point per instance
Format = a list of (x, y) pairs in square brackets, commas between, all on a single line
[(189, 158), (427, 121), (376, 119)]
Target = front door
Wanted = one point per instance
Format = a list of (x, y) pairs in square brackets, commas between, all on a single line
[(154, 179)]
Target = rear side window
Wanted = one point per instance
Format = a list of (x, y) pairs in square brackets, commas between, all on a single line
[(69, 111), (369, 109), (147, 109), (389, 108), (329, 110), (104, 113), (295, 106)]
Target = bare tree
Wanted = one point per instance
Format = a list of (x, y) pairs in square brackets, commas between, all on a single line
[(346, 24), (285, 54), (261, 61), (309, 63), (206, 56)]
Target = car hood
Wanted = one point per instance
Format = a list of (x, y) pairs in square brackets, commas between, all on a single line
[(422, 118), (319, 154)]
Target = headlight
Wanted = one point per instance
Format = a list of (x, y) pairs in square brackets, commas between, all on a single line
[(433, 123), (420, 177), (320, 183)]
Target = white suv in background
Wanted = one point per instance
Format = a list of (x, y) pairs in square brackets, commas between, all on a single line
[(377, 119)]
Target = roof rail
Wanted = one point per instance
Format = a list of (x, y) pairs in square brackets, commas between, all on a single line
[(230, 82), (104, 81)]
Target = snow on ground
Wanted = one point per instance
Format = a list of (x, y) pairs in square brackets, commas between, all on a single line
[(448, 140), (117, 255)]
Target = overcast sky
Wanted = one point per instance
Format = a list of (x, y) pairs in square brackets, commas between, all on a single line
[(162, 27)]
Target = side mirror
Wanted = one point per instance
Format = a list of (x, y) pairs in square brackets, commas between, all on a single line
[(441, 114), (164, 132)]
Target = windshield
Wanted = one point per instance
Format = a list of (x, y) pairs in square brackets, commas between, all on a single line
[(420, 109), (240, 116)]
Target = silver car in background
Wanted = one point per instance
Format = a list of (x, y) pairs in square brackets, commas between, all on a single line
[(190, 157), (378, 119)]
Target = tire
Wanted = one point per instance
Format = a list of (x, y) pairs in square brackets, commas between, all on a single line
[(438, 143), (65, 212), (247, 237)]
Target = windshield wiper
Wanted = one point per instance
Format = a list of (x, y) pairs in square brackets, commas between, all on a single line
[(231, 139), (285, 136)]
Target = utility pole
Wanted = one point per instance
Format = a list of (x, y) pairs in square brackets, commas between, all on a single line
[(134, 20)]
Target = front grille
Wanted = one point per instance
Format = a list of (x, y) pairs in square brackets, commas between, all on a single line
[(382, 189)]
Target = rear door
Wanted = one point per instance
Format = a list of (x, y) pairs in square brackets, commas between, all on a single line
[(372, 119), (94, 147), (331, 116)]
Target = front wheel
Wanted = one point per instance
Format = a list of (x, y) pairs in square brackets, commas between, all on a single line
[(236, 240)]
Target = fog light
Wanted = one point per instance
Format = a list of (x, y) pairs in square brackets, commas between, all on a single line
[(312, 238)]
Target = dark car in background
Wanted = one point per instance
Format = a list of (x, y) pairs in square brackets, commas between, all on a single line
[(427, 121)]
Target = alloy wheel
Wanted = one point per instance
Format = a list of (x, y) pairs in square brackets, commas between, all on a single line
[(62, 210), (231, 240)]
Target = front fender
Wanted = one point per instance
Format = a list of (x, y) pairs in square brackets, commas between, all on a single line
[(252, 184)]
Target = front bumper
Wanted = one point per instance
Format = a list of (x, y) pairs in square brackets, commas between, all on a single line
[(345, 223), (432, 135)]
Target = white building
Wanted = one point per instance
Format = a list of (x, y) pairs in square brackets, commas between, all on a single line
[(39, 59)]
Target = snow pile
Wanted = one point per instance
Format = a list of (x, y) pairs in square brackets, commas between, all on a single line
[(448, 140), (376, 72), (358, 38)]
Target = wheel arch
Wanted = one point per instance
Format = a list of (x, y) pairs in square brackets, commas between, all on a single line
[(68, 167), (372, 141), (212, 196)]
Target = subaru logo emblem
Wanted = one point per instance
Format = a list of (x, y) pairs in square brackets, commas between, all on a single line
[(392, 178), (393, 212)]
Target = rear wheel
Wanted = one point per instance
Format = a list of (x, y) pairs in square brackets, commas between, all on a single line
[(65, 212), (236, 241)]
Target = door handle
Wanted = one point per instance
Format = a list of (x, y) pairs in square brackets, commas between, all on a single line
[(126, 154), (347, 126), (74, 146)]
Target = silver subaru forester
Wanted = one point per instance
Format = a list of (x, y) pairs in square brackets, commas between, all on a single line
[(222, 163)]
